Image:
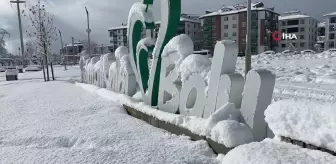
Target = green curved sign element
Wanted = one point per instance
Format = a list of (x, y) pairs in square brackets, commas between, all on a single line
[(140, 18)]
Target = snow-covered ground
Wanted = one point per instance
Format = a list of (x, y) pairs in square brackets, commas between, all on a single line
[(309, 76), (58, 122)]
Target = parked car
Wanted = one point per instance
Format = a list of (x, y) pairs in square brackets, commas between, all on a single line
[(268, 53), (33, 68), (308, 52), (332, 50), (289, 52)]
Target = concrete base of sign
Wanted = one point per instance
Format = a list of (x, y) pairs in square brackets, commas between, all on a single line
[(306, 145), (216, 147), (11, 77)]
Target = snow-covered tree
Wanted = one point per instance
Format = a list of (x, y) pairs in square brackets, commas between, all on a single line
[(41, 31), (3, 50)]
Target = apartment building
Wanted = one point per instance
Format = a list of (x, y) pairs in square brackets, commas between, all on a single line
[(189, 25), (229, 23), (71, 51), (330, 31), (118, 37), (302, 26)]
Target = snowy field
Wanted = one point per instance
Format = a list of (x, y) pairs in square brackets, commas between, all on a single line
[(60, 122), (308, 76), (57, 122)]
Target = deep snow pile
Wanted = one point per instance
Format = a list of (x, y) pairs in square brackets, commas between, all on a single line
[(274, 152), (57, 122), (303, 120), (223, 126)]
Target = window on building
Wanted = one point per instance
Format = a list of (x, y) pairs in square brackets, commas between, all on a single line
[(331, 44), (332, 36), (292, 22), (292, 30), (283, 30), (226, 35), (234, 25), (226, 18), (332, 28), (194, 25), (283, 45), (188, 25), (119, 37), (234, 34), (254, 14), (243, 24), (283, 23), (244, 33), (301, 36), (302, 29), (302, 44), (302, 21), (253, 50), (243, 41), (194, 33), (333, 20), (254, 23), (234, 17), (226, 26)]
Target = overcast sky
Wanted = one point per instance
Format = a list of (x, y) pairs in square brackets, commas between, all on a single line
[(70, 16)]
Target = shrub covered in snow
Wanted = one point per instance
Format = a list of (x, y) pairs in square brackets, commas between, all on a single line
[(303, 120)]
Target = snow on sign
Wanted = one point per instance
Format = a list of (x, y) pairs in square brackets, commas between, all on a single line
[(177, 80)]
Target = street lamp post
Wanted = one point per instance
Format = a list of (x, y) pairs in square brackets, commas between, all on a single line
[(88, 30), (62, 51), (248, 39)]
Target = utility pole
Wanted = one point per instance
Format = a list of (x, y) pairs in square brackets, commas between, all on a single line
[(62, 53), (88, 30), (73, 49), (20, 27), (248, 39)]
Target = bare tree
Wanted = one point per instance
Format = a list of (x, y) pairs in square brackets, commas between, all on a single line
[(42, 32)]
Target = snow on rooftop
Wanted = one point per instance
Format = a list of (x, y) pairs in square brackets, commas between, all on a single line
[(322, 24), (225, 10), (117, 28), (296, 16), (330, 14)]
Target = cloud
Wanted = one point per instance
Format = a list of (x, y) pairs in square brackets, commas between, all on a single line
[(70, 16)]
